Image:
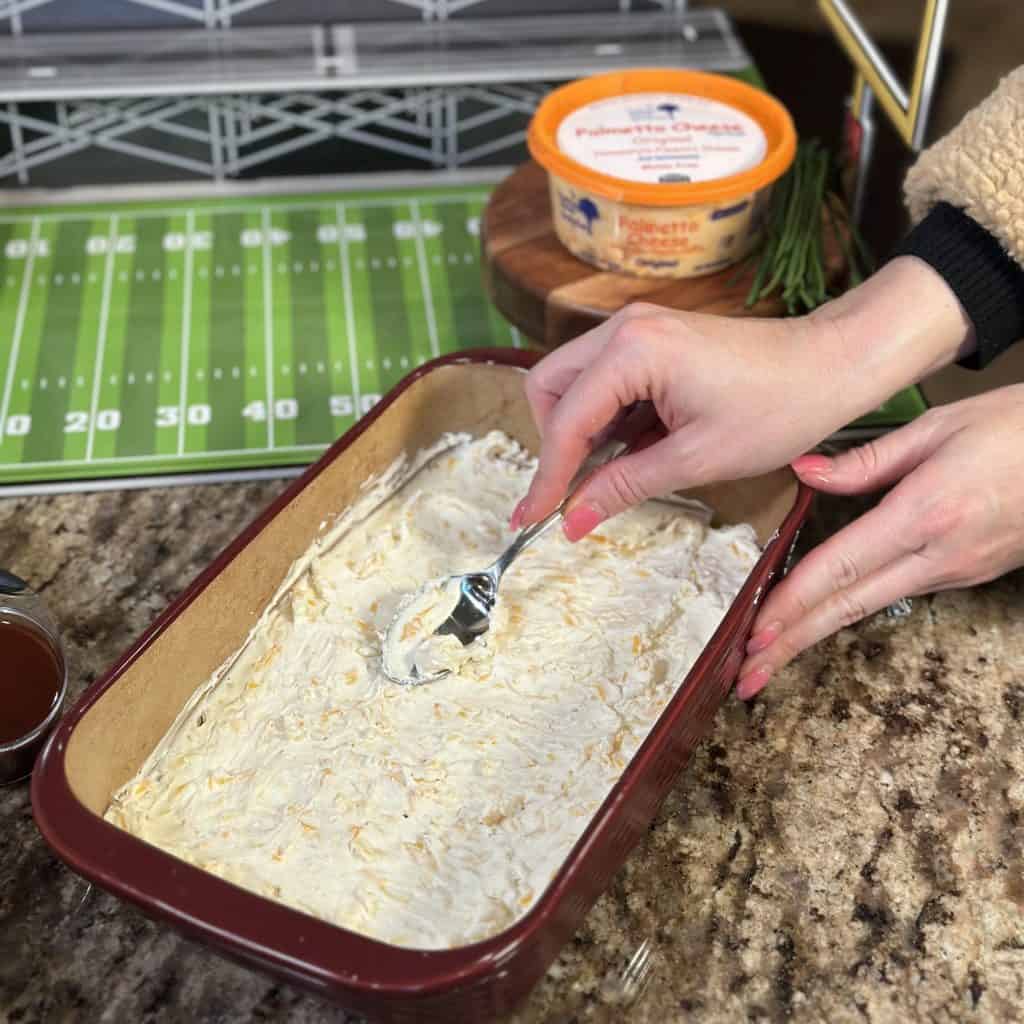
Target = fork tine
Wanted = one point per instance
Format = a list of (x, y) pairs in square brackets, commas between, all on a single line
[(638, 970)]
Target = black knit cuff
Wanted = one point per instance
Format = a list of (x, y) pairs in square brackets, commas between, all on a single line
[(987, 281)]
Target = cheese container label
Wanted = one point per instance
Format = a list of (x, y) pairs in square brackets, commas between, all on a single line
[(662, 137)]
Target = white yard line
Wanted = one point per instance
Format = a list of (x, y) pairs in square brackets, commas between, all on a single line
[(258, 190), (19, 323), (162, 479), (268, 323), (186, 329), (517, 338), (101, 336), (179, 209), (136, 483), (428, 295), (162, 459), (350, 313), (59, 218)]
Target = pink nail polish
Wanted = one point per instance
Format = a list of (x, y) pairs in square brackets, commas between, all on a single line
[(817, 466), (753, 682), (579, 521), (517, 515), (764, 638)]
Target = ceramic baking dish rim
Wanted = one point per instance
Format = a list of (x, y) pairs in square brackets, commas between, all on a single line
[(308, 950)]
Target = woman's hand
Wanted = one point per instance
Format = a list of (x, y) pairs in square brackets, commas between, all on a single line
[(738, 396), (716, 384), (954, 519)]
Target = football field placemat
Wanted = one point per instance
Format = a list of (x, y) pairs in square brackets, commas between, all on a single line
[(232, 334), (226, 334)]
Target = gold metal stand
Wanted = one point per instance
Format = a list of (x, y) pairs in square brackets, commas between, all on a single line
[(907, 109)]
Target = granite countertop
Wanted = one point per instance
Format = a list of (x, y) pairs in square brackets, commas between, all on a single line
[(850, 847)]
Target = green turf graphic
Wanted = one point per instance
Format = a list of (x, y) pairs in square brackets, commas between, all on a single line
[(144, 338)]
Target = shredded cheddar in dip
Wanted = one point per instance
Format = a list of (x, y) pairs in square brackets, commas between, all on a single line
[(434, 816)]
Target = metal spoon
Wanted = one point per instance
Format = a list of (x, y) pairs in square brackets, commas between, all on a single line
[(478, 591)]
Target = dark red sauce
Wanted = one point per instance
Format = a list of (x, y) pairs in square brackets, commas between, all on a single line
[(30, 678)]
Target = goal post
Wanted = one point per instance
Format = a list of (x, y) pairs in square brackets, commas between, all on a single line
[(907, 107)]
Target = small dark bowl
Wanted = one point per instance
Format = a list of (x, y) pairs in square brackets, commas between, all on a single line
[(18, 756)]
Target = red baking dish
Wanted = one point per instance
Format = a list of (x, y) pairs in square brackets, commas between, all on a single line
[(104, 739)]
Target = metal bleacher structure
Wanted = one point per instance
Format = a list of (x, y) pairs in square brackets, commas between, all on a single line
[(213, 89)]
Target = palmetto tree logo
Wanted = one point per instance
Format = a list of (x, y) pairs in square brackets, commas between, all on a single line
[(668, 109), (588, 208)]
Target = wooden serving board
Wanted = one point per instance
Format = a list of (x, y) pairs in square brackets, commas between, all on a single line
[(551, 296)]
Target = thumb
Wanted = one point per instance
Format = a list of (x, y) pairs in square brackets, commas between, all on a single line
[(872, 466), (620, 484)]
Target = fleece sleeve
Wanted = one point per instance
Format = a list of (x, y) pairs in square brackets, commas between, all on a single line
[(965, 194)]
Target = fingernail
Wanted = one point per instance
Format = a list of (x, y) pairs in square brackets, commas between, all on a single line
[(579, 521), (753, 682), (764, 637), (518, 514), (817, 466)]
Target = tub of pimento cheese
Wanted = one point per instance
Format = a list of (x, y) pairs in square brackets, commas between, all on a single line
[(661, 173)]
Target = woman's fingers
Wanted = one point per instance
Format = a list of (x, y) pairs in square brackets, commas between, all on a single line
[(878, 463), (621, 483), (880, 536), (549, 380), (829, 583), (618, 377), (908, 575)]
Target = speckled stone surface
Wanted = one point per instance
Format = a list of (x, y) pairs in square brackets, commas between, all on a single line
[(848, 848)]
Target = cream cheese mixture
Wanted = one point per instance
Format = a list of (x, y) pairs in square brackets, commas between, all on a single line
[(435, 816)]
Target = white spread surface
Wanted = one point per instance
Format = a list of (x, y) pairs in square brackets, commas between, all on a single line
[(662, 137), (435, 816)]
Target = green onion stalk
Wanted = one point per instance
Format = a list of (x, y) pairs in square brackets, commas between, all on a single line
[(791, 260)]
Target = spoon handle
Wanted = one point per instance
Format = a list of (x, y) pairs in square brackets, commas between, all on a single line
[(523, 540)]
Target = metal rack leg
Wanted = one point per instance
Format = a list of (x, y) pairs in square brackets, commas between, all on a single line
[(452, 149), (17, 144)]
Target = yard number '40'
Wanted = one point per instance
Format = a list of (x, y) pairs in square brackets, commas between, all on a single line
[(284, 409), (252, 238), (329, 234), (404, 229), (97, 245)]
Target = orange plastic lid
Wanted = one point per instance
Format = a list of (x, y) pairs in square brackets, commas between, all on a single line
[(663, 137)]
